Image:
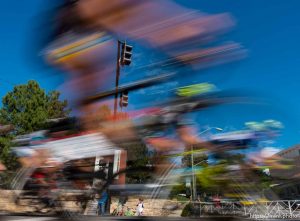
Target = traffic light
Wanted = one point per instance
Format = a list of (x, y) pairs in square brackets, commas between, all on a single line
[(126, 54), (124, 99)]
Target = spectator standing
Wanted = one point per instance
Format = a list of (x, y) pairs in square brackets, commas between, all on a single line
[(217, 201), (140, 207), (102, 203)]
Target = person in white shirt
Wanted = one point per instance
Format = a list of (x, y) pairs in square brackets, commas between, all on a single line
[(140, 208)]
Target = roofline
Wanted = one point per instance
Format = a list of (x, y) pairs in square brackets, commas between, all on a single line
[(288, 149)]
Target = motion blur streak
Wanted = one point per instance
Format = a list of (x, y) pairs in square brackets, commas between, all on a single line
[(114, 150)]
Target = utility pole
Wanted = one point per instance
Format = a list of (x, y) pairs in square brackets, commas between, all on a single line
[(194, 186), (117, 79), (194, 189)]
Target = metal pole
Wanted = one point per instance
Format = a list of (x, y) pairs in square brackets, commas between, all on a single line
[(193, 174), (121, 105), (117, 79), (115, 107), (200, 209), (194, 194)]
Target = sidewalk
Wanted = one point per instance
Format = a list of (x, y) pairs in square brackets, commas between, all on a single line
[(178, 211)]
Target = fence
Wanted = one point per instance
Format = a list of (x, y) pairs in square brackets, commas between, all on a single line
[(262, 209)]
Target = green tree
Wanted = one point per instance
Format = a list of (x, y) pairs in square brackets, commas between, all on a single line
[(57, 108), (6, 157), (28, 107), (139, 157)]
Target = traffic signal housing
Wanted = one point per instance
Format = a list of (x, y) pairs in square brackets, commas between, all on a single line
[(126, 54), (124, 99)]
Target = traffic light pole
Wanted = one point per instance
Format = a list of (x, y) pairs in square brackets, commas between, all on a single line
[(121, 106), (117, 79)]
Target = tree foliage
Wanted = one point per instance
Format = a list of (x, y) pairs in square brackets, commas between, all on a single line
[(211, 178), (6, 157), (28, 107), (139, 157)]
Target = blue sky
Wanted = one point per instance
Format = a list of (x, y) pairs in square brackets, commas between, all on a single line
[(269, 30)]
